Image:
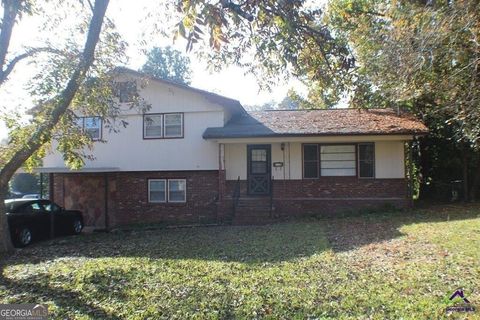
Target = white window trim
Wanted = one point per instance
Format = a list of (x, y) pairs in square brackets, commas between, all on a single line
[(354, 174), (145, 126), (165, 126), (185, 193), (165, 191), (163, 135)]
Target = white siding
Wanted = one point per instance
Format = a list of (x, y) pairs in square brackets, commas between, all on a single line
[(128, 151), (389, 160)]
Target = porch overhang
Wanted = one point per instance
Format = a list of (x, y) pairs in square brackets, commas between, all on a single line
[(82, 170), (316, 139)]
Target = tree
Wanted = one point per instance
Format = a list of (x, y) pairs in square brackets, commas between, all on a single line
[(422, 56), (271, 39), (279, 34), (168, 63), (56, 90), (25, 183)]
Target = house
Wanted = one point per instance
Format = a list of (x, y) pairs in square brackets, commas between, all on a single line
[(198, 157)]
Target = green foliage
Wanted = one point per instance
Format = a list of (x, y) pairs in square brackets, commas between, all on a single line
[(25, 183), (270, 39), (168, 63), (394, 266)]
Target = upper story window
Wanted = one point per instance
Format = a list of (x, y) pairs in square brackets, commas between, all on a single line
[(126, 91), (165, 125), (92, 126)]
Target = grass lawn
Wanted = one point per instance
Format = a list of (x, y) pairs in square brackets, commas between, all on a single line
[(391, 265)]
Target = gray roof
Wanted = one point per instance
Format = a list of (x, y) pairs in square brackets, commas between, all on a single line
[(324, 122)]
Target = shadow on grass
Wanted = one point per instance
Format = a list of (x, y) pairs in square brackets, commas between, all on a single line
[(244, 244), (37, 288), (351, 232)]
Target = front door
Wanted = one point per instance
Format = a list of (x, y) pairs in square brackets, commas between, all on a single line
[(259, 174)]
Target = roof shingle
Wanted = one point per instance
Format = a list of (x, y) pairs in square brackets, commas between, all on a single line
[(328, 122)]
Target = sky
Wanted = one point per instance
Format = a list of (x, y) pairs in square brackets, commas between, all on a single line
[(130, 19)]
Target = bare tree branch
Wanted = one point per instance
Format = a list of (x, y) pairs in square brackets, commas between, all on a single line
[(29, 53), (11, 9), (43, 132)]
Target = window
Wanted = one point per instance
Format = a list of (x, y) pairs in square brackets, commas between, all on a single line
[(337, 160), (177, 190), (92, 126), (366, 160), (126, 91), (167, 125), (51, 207), (310, 161), (258, 161), (157, 190), (153, 126), (173, 125), (33, 208)]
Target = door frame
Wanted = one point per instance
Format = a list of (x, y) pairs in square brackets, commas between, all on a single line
[(268, 148)]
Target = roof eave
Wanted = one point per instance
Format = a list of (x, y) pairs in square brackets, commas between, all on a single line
[(286, 135)]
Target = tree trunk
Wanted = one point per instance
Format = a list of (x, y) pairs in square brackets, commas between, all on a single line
[(44, 130), (465, 159), (6, 242), (476, 181)]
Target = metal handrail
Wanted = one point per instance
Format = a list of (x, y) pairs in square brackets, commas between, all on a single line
[(271, 197), (236, 195)]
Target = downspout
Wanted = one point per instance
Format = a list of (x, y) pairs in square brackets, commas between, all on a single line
[(107, 222)]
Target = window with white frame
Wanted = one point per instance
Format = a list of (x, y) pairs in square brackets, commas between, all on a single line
[(153, 126), (163, 125), (337, 160), (157, 190), (92, 126), (167, 190), (177, 190), (333, 160), (173, 124)]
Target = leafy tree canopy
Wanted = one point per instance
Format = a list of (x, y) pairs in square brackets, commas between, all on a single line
[(168, 63)]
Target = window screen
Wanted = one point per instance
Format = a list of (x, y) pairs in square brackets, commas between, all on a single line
[(366, 160)]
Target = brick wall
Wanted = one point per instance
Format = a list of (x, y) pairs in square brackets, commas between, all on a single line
[(127, 194), (331, 195), (133, 205)]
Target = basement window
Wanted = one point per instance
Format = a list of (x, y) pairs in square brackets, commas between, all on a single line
[(157, 190), (177, 190)]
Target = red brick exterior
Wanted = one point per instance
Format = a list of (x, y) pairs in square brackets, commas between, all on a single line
[(332, 195), (127, 197), (209, 196)]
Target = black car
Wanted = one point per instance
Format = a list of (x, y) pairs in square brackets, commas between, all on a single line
[(30, 220)]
